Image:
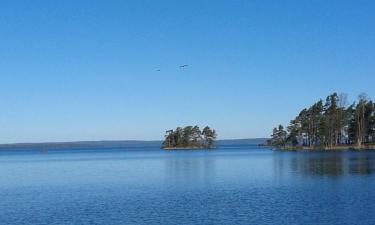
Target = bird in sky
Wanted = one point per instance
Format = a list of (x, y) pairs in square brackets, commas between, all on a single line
[(158, 70), (182, 66)]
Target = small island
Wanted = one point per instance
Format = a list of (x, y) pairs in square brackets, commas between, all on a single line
[(190, 137), (329, 125)]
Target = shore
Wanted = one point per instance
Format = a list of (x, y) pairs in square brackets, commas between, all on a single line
[(325, 148)]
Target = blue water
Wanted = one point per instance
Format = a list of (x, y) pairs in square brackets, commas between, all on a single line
[(232, 185)]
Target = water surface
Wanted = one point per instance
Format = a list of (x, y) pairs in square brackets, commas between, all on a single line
[(230, 185)]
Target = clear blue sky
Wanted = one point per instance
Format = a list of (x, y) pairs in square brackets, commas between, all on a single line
[(85, 70)]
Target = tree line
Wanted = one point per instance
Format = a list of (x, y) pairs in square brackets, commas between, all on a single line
[(329, 124), (190, 137)]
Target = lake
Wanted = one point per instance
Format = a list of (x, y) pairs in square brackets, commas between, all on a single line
[(230, 185)]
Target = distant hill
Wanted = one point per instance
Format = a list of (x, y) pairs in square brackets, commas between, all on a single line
[(247, 141), (117, 144), (82, 145)]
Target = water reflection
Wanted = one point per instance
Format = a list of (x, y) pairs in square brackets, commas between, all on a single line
[(187, 169), (325, 163)]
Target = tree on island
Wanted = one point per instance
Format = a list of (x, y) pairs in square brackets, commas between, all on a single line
[(330, 124), (190, 137), (279, 136)]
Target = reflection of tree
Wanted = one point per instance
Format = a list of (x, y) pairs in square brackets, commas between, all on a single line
[(362, 165), (327, 163), (189, 170)]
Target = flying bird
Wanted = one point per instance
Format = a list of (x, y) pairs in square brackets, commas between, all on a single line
[(184, 66), (158, 70)]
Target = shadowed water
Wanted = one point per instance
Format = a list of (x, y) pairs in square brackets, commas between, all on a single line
[(232, 185)]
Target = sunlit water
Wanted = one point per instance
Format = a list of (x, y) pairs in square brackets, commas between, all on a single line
[(233, 185)]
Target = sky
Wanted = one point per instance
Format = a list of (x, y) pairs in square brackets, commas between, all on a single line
[(86, 70)]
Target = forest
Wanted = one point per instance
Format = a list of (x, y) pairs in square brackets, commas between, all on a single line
[(190, 137), (330, 124)]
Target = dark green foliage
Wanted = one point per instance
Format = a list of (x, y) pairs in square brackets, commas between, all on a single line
[(190, 137), (209, 137), (330, 124), (279, 136)]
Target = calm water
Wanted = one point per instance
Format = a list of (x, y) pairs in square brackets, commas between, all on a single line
[(238, 185)]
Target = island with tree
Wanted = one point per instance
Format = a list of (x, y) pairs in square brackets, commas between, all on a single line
[(329, 125), (190, 137)]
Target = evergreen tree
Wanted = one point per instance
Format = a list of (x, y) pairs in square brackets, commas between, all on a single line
[(330, 124), (209, 137), (279, 136), (190, 137)]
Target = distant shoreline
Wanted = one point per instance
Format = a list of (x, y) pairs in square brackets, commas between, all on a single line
[(188, 148), (116, 144)]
